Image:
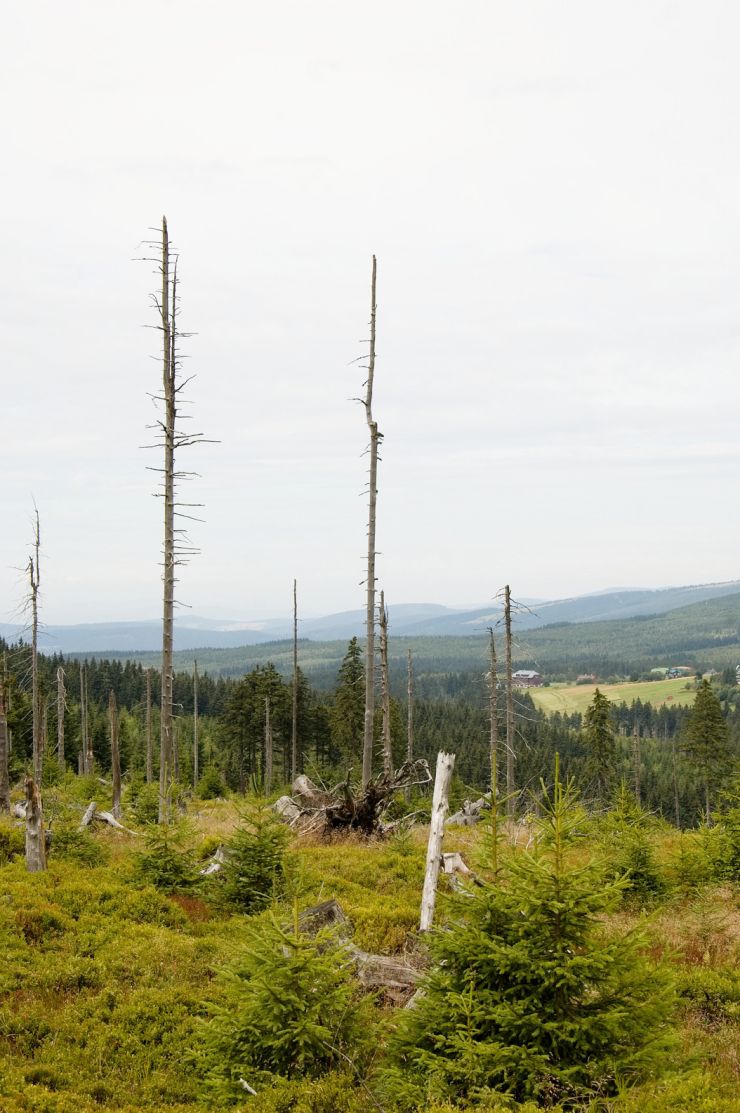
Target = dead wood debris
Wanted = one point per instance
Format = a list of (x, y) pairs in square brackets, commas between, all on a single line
[(347, 806)]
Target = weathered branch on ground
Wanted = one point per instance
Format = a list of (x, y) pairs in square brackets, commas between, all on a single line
[(91, 813), (346, 806), (393, 975)]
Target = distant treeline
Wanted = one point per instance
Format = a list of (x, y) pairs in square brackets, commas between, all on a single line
[(450, 712)]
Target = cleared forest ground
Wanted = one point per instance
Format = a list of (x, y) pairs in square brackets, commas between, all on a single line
[(107, 983)]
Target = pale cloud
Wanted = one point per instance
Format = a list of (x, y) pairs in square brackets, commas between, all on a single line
[(552, 194)]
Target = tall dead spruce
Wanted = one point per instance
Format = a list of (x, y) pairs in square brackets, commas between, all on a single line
[(176, 545), (34, 581), (4, 741), (375, 438)]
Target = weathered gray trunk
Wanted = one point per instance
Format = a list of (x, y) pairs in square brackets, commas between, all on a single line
[(35, 839), (375, 438), (148, 729), (34, 581), (510, 752), (409, 713), (82, 761), (443, 776), (385, 690), (268, 748), (196, 755), (115, 753), (4, 747), (295, 762), (61, 707), (493, 713), (166, 312), (676, 804)]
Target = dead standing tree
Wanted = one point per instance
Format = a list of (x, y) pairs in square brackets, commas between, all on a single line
[(148, 728), (385, 689), (4, 743), (493, 712), (375, 439), (115, 753), (176, 545), (196, 743), (34, 580), (35, 837), (295, 761), (61, 708)]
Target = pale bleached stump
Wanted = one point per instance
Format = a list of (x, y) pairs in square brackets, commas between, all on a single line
[(35, 839), (443, 776)]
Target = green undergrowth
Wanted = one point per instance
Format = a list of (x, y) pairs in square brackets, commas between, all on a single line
[(111, 973)]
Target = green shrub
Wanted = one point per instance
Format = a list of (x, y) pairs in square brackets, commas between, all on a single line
[(144, 803), (70, 843), (211, 785), (292, 1009), (12, 841), (167, 861), (254, 867), (529, 996)]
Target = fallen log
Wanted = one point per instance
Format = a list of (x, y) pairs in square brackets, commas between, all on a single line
[(110, 819), (18, 811), (92, 813)]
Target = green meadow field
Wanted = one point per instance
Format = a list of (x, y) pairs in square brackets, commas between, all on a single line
[(577, 697)]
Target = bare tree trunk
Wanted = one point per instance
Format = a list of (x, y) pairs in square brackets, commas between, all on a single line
[(34, 579), (196, 772), (510, 784), (676, 803), (493, 713), (175, 547), (375, 438), (115, 754), (44, 727), (61, 707), (4, 745), (637, 760), (268, 748), (442, 778), (385, 691), (35, 840), (176, 750), (148, 728), (166, 312), (409, 713), (83, 721), (296, 764)]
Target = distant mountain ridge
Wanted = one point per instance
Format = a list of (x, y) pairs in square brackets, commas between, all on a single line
[(406, 619)]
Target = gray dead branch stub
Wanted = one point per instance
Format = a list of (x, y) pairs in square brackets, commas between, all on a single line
[(470, 813), (214, 864)]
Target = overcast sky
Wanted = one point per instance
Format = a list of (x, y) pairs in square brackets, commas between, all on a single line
[(553, 193)]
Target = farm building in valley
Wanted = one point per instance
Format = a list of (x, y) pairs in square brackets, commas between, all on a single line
[(526, 678)]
